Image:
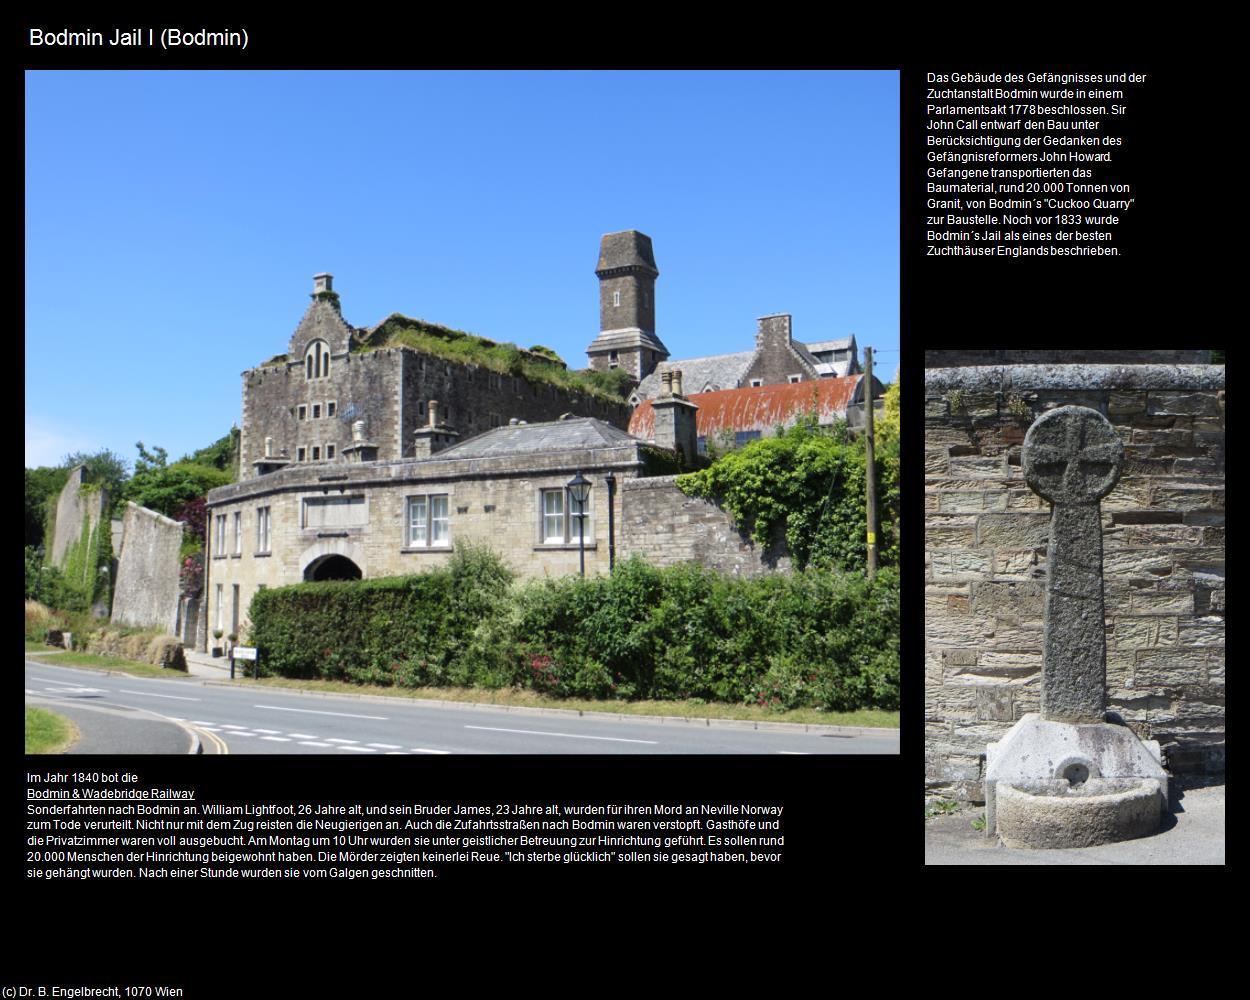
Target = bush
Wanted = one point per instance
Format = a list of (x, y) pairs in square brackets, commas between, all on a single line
[(815, 638)]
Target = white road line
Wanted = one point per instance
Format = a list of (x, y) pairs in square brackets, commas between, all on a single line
[(572, 736), (310, 711), (310, 743), (360, 749), (195, 722), (271, 732), (276, 739), (227, 725), (237, 732), (76, 687), (796, 753), (302, 736), (384, 746), (423, 750), (335, 739), (146, 694)]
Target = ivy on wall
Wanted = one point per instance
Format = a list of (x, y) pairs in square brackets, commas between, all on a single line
[(807, 485), (85, 575)]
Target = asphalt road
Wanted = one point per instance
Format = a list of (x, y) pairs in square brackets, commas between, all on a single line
[(268, 720)]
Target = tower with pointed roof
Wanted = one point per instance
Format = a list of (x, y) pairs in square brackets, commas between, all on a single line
[(627, 274)]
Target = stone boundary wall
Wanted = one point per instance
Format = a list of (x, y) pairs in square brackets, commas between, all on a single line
[(986, 535), (666, 527), (71, 507), (147, 589)]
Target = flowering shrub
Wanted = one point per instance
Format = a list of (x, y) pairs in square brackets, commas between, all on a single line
[(191, 575)]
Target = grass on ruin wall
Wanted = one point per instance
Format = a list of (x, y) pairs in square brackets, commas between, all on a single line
[(813, 639)]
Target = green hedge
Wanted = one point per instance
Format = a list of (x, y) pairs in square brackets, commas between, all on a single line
[(813, 638)]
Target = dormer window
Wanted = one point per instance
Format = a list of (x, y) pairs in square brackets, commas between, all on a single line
[(317, 360)]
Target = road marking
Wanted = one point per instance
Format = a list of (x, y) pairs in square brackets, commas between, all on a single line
[(75, 690), (227, 725), (310, 743), (271, 732), (310, 711), (198, 722), (423, 750), (146, 694), (571, 736), (361, 749), (384, 746), (64, 684), (796, 753), (335, 739), (302, 736), (237, 732), (276, 739)]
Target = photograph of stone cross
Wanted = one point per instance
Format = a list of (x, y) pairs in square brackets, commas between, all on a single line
[(1067, 777)]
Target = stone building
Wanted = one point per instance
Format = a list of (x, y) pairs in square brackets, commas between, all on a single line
[(740, 415), (778, 359), (363, 454)]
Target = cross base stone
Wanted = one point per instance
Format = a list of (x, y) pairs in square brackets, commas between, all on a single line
[(1067, 777)]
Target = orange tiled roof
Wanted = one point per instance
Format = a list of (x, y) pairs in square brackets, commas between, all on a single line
[(758, 409)]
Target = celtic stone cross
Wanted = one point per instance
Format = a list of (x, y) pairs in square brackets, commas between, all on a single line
[(1072, 457)]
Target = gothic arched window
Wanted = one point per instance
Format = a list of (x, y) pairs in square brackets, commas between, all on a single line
[(317, 360)]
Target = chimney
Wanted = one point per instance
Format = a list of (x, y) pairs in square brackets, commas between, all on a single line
[(773, 331), (666, 378), (432, 438), (677, 382), (269, 447), (358, 430), (323, 283), (676, 426)]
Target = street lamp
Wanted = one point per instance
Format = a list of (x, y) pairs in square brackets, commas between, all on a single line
[(579, 490)]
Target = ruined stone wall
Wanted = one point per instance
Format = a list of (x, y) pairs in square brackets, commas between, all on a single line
[(71, 507), (390, 389), (666, 527), (148, 588), (986, 535), (954, 359)]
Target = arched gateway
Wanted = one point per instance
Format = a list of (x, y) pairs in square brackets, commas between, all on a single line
[(332, 567)]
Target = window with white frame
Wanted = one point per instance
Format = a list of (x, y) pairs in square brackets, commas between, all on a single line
[(262, 529), (561, 523), (219, 600), (220, 547), (429, 521), (238, 533)]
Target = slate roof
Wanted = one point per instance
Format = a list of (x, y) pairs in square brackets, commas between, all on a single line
[(723, 370), (615, 340), (555, 435), (757, 409)]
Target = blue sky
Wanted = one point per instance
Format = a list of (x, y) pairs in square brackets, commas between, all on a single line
[(174, 221)]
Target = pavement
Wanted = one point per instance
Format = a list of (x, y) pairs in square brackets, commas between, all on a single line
[(1192, 835), (214, 667)]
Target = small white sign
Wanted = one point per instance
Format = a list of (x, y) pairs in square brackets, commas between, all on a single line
[(245, 652)]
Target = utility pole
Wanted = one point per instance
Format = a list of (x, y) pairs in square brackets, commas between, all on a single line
[(871, 468)]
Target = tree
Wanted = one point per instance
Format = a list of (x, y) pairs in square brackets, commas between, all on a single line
[(42, 484), (165, 489), (103, 467)]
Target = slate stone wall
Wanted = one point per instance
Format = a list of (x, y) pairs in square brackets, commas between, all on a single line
[(775, 360), (986, 534), (666, 527), (147, 589)]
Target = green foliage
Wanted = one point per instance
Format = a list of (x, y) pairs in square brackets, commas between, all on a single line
[(221, 454), (103, 468), (888, 427), (808, 486), (809, 639), (165, 489), (467, 348), (332, 298), (46, 584), (42, 485), (616, 382), (85, 577)]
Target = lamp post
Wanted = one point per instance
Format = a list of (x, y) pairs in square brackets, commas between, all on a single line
[(610, 479), (579, 490)]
